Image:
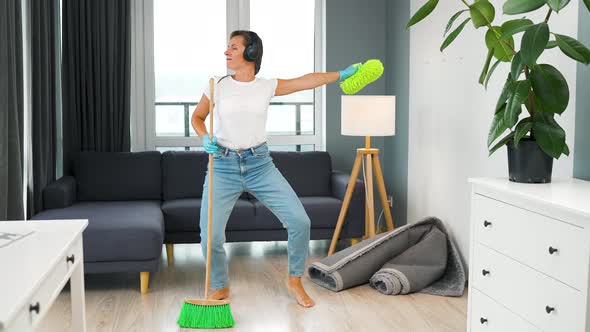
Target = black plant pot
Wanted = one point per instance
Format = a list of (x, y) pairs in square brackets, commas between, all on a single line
[(527, 163)]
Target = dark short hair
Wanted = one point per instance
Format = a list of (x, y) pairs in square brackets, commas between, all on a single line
[(247, 40)]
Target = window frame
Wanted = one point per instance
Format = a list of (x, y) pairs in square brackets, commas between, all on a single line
[(238, 17)]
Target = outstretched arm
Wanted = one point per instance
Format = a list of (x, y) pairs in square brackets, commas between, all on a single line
[(305, 82), (313, 80)]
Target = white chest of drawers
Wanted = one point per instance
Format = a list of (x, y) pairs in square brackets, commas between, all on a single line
[(529, 256)]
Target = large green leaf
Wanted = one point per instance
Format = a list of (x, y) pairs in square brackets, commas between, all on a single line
[(422, 12), (550, 87), (534, 40), (482, 13), (566, 150), (536, 104), (517, 66), (489, 75), (551, 44), (549, 135), (510, 28), (452, 20), (520, 92), (522, 128), (453, 35), (506, 91), (498, 126), (587, 3), (502, 49), (557, 5), (573, 48), (502, 142), (513, 7), (486, 66)]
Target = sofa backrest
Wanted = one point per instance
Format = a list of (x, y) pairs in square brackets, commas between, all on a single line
[(183, 174), (309, 173), (117, 176)]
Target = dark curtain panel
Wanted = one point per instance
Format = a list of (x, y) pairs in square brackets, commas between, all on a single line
[(44, 41), (95, 77), (11, 111)]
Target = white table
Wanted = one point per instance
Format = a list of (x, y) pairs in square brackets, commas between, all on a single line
[(37, 258)]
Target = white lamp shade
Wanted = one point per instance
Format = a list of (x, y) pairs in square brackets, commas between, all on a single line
[(368, 115)]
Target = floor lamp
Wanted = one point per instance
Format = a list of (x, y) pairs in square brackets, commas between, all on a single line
[(366, 116)]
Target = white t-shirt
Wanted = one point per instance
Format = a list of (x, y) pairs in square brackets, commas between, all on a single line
[(241, 110)]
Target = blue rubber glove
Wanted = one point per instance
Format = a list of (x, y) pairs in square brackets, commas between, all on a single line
[(346, 73), (210, 145)]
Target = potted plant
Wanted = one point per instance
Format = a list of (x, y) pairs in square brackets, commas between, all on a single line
[(535, 138)]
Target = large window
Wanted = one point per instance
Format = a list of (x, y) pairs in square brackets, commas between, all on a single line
[(288, 53), (189, 40)]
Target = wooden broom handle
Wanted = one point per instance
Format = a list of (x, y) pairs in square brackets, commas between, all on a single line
[(210, 192)]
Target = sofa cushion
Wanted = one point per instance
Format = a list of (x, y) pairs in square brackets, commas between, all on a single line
[(308, 173), (183, 215), (118, 176), (117, 231), (183, 174), (322, 211)]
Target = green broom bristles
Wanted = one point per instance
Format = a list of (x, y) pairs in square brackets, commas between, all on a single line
[(368, 72), (205, 316)]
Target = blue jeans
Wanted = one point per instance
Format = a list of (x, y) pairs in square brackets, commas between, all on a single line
[(251, 170)]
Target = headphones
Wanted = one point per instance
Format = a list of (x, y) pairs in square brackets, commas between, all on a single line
[(252, 50)]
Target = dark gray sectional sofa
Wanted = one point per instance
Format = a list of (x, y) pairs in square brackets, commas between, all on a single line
[(137, 201)]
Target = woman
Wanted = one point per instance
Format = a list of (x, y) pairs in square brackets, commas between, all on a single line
[(242, 160)]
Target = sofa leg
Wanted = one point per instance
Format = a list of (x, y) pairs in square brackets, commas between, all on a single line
[(144, 278), (354, 241), (170, 253)]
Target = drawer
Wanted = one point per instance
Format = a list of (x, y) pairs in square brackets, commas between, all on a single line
[(20, 323), (544, 302), (558, 249), (75, 254), (54, 282), (489, 315), (47, 292)]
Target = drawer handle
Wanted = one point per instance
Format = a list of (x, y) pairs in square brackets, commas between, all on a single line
[(70, 259), (549, 309), (485, 272), (483, 320), (552, 250), (486, 223), (35, 307)]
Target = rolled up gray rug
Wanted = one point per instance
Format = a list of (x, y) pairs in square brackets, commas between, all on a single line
[(417, 267), (432, 267)]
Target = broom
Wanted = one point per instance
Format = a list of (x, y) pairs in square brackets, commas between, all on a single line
[(206, 313)]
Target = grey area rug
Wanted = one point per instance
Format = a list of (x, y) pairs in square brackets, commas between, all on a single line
[(418, 257)]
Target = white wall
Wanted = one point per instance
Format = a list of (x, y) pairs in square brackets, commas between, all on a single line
[(450, 114)]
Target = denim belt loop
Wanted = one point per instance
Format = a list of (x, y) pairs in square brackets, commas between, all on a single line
[(225, 152)]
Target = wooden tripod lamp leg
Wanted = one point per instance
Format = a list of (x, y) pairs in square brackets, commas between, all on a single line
[(351, 184), (366, 235), (369, 188), (382, 193)]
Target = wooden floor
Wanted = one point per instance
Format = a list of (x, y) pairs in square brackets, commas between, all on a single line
[(259, 301)]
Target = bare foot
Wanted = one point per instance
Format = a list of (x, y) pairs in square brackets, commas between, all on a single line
[(295, 289), (219, 294)]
